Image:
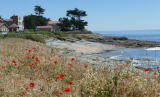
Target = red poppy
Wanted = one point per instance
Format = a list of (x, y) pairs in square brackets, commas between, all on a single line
[(69, 64), (55, 62), (23, 93), (8, 45), (37, 59), (155, 73), (72, 59), (61, 76), (70, 82), (22, 62), (145, 70), (85, 66), (30, 65), (67, 90), (26, 49), (15, 64), (35, 63), (8, 62), (31, 78), (62, 87), (11, 47), (131, 58), (105, 68), (42, 77), (53, 55), (60, 56), (49, 58), (26, 89), (32, 57), (31, 84), (60, 94), (125, 65), (49, 79), (29, 50), (32, 48), (36, 50), (115, 68), (14, 61), (2, 66), (149, 68), (137, 74)]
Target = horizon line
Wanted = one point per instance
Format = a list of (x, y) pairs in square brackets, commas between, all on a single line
[(128, 30)]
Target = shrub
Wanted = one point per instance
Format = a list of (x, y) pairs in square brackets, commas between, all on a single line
[(35, 38)]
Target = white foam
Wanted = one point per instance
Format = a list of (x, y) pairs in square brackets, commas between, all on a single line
[(154, 48)]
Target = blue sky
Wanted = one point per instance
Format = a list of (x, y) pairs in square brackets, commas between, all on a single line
[(102, 15)]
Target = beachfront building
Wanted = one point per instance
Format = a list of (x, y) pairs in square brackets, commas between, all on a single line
[(54, 26), (14, 23), (45, 28), (4, 27)]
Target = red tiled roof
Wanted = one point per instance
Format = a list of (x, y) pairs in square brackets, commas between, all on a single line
[(13, 25), (44, 26), (53, 22), (1, 24), (9, 20), (1, 20)]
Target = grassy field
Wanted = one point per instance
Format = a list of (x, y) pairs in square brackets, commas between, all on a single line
[(33, 69)]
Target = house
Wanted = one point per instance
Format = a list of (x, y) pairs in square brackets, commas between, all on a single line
[(4, 27), (54, 26), (45, 28), (14, 23)]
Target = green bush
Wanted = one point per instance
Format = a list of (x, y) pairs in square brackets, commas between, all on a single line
[(60, 34), (35, 38)]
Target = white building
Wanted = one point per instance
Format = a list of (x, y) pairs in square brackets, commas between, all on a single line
[(20, 23)]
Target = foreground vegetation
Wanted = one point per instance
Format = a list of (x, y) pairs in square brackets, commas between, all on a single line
[(33, 69)]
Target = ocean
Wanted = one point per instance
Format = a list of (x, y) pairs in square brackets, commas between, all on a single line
[(151, 54)]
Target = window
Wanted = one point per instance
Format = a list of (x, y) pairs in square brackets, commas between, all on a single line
[(2, 29), (19, 18), (19, 23)]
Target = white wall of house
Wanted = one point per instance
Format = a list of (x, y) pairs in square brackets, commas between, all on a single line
[(21, 26), (56, 28)]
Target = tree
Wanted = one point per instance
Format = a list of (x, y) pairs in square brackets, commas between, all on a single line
[(31, 21), (38, 10), (1, 17), (65, 24), (76, 15)]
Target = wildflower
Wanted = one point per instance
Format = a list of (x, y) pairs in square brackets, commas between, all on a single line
[(137, 74), (62, 87), (49, 79), (15, 64), (53, 55), (70, 82), (155, 73), (8, 62), (36, 50), (12, 47), (55, 62), (31, 84), (35, 63), (72, 59), (131, 58), (29, 50), (26, 89), (149, 68), (60, 56), (22, 62), (31, 78), (14, 61), (61, 76), (32, 48), (2, 66), (37, 59), (42, 77), (105, 68), (49, 58), (30, 65), (67, 90), (32, 57), (26, 49), (85, 66), (145, 70), (69, 64), (23, 93), (125, 65), (115, 68)]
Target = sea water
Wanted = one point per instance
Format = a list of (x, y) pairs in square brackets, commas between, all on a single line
[(152, 54)]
